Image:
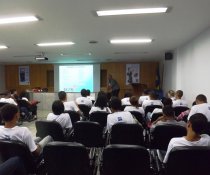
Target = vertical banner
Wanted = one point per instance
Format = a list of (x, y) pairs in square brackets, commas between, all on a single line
[(24, 75), (132, 73)]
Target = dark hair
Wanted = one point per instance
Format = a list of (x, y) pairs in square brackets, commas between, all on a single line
[(134, 101), (153, 95), (84, 93), (101, 101), (127, 94), (88, 92), (8, 112), (167, 102), (115, 103), (198, 122), (146, 92), (201, 98), (168, 111), (101, 93), (179, 93), (57, 107), (62, 95)]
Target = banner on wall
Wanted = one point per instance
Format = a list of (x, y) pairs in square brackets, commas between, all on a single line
[(132, 73), (24, 75)]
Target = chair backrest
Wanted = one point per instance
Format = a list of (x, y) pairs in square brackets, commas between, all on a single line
[(125, 160), (85, 109), (151, 108), (139, 117), (23, 103), (52, 128), (123, 107), (162, 135), (100, 117), (123, 133), (66, 158), (179, 109), (90, 134), (10, 148), (190, 160), (2, 104), (74, 116), (155, 116)]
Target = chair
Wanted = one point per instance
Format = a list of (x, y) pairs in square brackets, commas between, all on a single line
[(74, 116), (52, 128), (2, 104), (155, 116), (126, 160), (179, 109), (85, 109), (100, 117), (66, 158), (123, 107), (151, 108), (25, 110), (123, 133), (139, 117), (9, 148), (189, 160)]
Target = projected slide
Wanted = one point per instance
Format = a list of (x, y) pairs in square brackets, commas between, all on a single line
[(73, 78)]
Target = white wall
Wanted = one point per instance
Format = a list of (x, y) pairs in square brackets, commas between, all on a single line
[(2, 78), (190, 68)]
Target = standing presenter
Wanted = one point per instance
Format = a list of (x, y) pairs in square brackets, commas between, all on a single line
[(113, 86)]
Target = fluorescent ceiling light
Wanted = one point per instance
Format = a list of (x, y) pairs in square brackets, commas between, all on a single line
[(3, 47), (18, 19), (131, 41), (132, 11), (55, 44)]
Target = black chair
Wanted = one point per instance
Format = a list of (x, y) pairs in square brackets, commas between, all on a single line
[(26, 111), (64, 158), (139, 117), (155, 116), (100, 117), (179, 109), (74, 116), (126, 160), (2, 104), (190, 160), (9, 148), (85, 109), (123, 133), (52, 128), (123, 107), (151, 108)]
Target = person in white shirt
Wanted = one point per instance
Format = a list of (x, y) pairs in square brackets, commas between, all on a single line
[(117, 115), (126, 100), (152, 100), (7, 98), (59, 116), (89, 96), (83, 99), (201, 107), (101, 104), (10, 131), (195, 126), (134, 106), (178, 99), (144, 96)]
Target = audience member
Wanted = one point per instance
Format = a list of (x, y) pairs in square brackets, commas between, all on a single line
[(171, 95), (14, 94), (195, 126), (126, 100), (166, 102), (7, 98), (178, 99), (89, 96), (83, 99), (201, 107), (153, 100), (118, 115), (144, 96)]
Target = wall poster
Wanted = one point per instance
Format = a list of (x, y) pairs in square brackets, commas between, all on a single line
[(24, 75), (132, 73)]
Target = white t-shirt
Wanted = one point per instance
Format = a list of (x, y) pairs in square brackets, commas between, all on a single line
[(142, 98), (117, 117), (19, 134), (91, 98), (8, 100), (203, 108), (126, 101), (181, 141), (63, 119), (70, 106), (24, 98), (95, 109), (84, 101), (133, 108), (179, 102), (151, 102), (156, 110)]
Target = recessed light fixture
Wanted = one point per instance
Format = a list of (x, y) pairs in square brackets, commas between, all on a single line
[(55, 44), (131, 41), (132, 11), (18, 19), (3, 47)]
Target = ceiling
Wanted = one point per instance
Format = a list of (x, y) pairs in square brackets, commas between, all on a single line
[(76, 20)]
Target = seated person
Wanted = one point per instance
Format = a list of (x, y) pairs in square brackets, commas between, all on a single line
[(144, 96), (101, 104), (83, 99), (153, 100), (14, 94), (134, 106), (201, 107), (68, 105), (10, 131), (118, 115), (171, 95), (7, 98), (126, 100), (59, 116), (195, 126), (88, 95), (178, 99), (167, 118)]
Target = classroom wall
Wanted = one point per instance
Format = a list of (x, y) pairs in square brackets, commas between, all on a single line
[(190, 69), (2, 78)]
